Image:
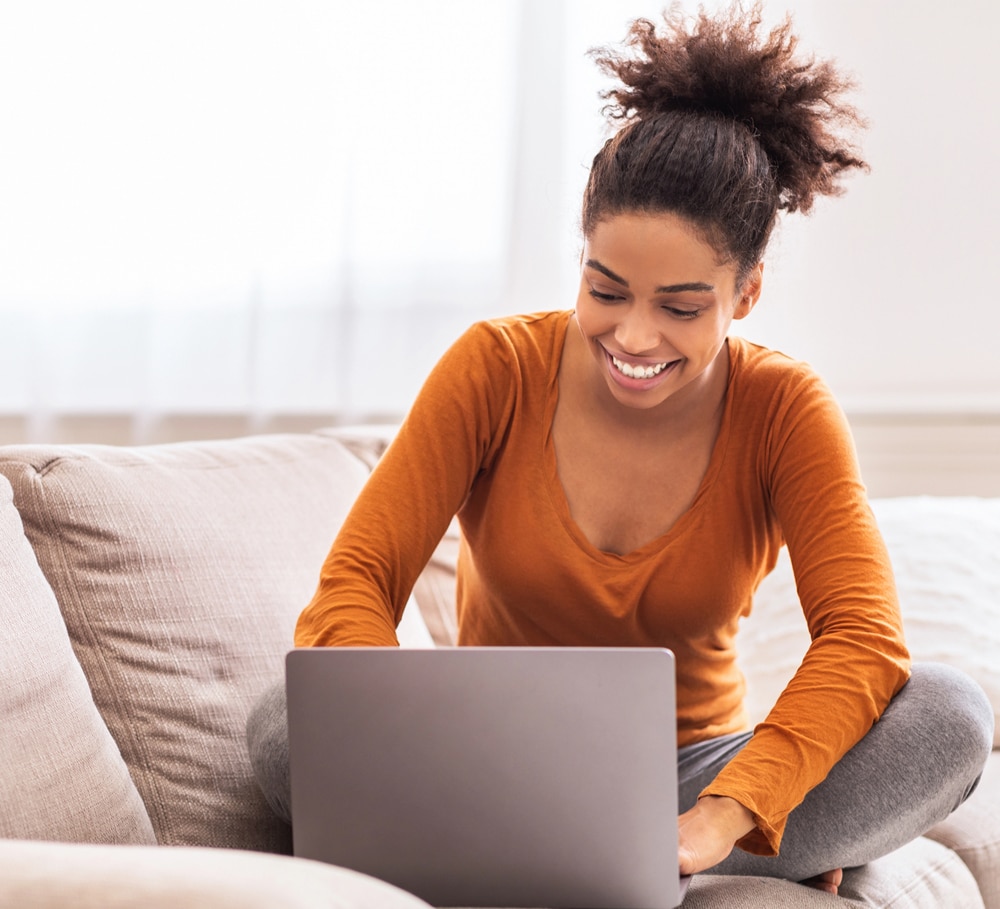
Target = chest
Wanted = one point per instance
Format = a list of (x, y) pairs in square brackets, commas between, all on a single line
[(625, 491)]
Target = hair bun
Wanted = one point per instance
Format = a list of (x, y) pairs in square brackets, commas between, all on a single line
[(721, 65)]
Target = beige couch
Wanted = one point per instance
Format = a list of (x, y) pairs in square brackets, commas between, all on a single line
[(147, 595)]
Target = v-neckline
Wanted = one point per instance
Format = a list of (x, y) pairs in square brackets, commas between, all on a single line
[(557, 493)]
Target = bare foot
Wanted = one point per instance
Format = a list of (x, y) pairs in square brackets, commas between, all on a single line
[(828, 882)]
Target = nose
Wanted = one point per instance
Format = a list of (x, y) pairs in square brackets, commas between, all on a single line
[(636, 333)]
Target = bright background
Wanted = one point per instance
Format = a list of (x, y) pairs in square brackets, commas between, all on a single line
[(256, 210)]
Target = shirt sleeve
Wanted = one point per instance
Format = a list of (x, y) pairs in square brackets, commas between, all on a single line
[(858, 658), (450, 434)]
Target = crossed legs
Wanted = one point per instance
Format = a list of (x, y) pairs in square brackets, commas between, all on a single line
[(917, 764)]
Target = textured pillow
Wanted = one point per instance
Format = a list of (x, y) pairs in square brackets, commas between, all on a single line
[(945, 553), (181, 570), (62, 775)]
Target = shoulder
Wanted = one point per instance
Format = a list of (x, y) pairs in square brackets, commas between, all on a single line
[(514, 349), (534, 334), (496, 369), (784, 410), (771, 385), (761, 367)]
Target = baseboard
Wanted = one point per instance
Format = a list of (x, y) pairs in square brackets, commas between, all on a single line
[(901, 452), (929, 453)]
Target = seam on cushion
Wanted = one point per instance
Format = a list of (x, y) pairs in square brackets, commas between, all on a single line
[(47, 525), (359, 449), (971, 850), (368, 465), (927, 873), (92, 453), (42, 470), (971, 853)]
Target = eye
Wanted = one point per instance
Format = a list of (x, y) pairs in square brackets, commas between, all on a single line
[(683, 313), (604, 298)]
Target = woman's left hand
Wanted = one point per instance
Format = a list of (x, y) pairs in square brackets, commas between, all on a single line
[(709, 831)]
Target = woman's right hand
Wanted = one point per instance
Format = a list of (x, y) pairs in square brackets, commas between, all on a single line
[(709, 831)]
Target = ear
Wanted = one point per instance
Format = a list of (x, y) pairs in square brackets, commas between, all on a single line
[(750, 292)]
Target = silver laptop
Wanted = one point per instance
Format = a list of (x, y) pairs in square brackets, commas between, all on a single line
[(536, 777)]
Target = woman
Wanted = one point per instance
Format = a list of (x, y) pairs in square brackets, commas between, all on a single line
[(625, 474)]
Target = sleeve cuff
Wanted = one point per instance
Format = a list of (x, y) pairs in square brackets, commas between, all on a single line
[(765, 838)]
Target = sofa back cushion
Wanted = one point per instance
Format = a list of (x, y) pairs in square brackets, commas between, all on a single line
[(62, 775), (180, 570)]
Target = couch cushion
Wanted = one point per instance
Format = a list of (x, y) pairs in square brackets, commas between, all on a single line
[(181, 570), (973, 832), (946, 556), (710, 891), (104, 877), (62, 775), (920, 875)]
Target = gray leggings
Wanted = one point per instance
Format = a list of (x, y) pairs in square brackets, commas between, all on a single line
[(914, 767)]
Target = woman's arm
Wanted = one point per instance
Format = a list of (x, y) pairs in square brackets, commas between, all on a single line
[(858, 659), (451, 433)]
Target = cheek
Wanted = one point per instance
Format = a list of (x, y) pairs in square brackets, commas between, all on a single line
[(711, 336), (588, 315)]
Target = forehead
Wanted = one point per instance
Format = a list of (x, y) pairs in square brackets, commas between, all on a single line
[(655, 243)]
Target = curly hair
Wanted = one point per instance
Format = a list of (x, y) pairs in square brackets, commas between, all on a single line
[(721, 126)]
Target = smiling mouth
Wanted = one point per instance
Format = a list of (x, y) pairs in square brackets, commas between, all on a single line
[(639, 371)]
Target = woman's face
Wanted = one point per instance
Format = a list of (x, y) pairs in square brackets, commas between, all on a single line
[(655, 305)]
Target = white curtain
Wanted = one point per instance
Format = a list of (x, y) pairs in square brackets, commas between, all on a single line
[(248, 210), (270, 207)]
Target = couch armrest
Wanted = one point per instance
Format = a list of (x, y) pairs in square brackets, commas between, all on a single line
[(41, 875)]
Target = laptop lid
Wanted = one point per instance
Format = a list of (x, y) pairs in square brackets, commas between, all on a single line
[(490, 776)]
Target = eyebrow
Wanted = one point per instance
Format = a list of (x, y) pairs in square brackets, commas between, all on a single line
[(699, 286)]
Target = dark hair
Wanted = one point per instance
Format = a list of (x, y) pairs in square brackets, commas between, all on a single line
[(720, 127)]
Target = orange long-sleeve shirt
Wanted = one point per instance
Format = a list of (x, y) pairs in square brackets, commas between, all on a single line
[(477, 442)]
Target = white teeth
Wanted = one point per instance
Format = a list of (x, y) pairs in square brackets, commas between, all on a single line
[(638, 372)]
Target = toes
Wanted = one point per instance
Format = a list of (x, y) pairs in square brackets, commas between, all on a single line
[(828, 882)]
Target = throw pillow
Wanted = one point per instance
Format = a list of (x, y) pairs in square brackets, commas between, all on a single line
[(63, 777), (181, 570)]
